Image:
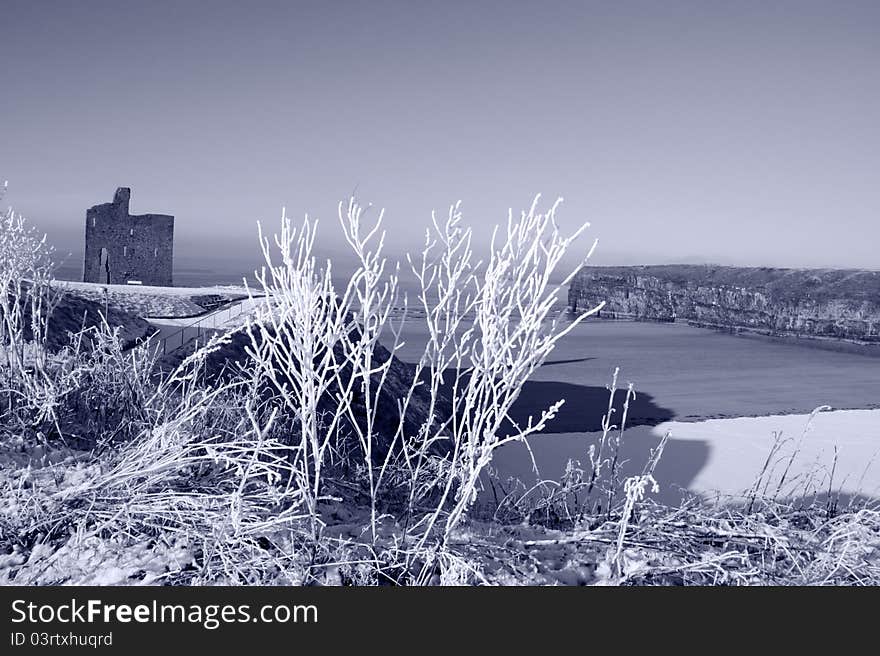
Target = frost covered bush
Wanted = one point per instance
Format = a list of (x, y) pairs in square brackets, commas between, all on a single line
[(27, 298), (490, 323)]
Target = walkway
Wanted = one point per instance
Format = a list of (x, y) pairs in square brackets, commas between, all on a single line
[(173, 334)]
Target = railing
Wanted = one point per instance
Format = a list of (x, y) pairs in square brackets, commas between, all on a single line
[(203, 327)]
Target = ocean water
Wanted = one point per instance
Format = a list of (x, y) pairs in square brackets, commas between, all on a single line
[(685, 373)]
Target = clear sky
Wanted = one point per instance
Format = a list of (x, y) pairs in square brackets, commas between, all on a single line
[(734, 132)]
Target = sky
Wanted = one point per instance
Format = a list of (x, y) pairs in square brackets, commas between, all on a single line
[(729, 132)]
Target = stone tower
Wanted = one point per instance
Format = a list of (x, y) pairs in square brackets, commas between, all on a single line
[(122, 248)]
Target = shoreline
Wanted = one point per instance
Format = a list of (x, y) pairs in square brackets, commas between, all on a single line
[(693, 419), (836, 344)]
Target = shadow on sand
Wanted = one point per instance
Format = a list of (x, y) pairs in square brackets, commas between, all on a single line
[(577, 425), (682, 460)]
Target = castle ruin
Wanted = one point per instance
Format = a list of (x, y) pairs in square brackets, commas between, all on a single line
[(121, 248)]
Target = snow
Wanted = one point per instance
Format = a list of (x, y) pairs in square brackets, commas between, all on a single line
[(94, 561), (153, 289)]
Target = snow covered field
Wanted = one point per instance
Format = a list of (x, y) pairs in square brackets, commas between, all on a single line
[(149, 301)]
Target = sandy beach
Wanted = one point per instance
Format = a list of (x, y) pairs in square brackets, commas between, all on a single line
[(723, 457)]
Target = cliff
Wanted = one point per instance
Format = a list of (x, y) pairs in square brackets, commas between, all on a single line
[(821, 304)]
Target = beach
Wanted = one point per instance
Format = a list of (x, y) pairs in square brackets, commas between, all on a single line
[(723, 458)]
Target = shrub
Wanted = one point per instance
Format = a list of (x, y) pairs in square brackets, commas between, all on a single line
[(27, 298), (490, 326)]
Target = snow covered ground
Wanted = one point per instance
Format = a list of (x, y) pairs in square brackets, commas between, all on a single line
[(148, 301), (151, 289)]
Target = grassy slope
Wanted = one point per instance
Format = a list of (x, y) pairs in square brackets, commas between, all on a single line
[(74, 313)]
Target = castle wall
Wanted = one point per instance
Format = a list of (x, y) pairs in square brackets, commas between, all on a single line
[(121, 247)]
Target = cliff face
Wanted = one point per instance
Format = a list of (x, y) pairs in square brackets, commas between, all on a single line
[(819, 303)]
